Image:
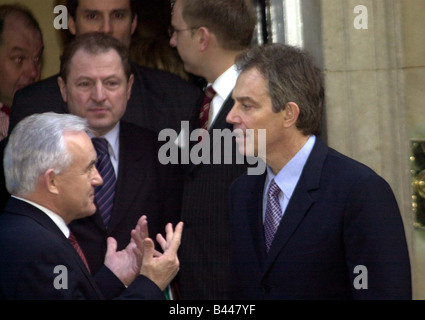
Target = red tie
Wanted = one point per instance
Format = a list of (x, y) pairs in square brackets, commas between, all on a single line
[(77, 247), (5, 109), (205, 109)]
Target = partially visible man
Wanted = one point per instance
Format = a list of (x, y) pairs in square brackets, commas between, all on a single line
[(316, 224), (208, 35), (21, 47), (96, 82), (159, 99), (50, 171)]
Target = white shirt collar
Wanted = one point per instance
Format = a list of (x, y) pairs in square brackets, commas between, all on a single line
[(57, 219), (288, 176), (223, 87), (225, 83), (113, 141)]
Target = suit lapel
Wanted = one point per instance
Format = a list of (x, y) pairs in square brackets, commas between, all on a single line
[(23, 208), (255, 216), (301, 201), (131, 174)]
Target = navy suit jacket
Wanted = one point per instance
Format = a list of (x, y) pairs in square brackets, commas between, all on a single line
[(144, 187), (340, 216), (32, 247)]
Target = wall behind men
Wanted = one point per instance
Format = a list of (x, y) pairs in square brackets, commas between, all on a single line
[(43, 12)]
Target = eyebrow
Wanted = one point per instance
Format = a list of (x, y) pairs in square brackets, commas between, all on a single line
[(15, 50), (112, 11), (244, 99)]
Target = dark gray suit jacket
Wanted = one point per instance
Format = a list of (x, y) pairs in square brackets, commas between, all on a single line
[(204, 252)]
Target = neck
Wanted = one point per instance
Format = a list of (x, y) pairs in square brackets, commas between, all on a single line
[(218, 66), (276, 159)]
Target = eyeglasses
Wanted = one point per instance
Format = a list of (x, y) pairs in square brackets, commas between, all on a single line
[(171, 30)]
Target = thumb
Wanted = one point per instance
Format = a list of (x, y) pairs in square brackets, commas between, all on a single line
[(148, 249), (111, 245)]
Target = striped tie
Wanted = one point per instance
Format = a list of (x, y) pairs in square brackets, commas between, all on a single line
[(205, 109), (273, 213), (104, 194)]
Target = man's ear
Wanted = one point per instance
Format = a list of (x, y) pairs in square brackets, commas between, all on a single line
[(203, 35), (292, 112), (134, 24), (62, 87), (50, 181), (71, 25)]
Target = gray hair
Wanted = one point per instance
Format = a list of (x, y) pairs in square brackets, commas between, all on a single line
[(35, 145)]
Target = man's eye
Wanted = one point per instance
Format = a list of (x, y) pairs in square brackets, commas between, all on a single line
[(91, 16), (19, 60), (83, 84), (119, 15)]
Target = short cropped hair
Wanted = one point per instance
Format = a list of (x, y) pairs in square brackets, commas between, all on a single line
[(93, 43), (232, 21), (19, 11), (35, 145), (292, 76)]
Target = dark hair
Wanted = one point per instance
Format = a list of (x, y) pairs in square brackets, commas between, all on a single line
[(72, 6), (94, 43), (233, 21), (19, 11), (292, 77)]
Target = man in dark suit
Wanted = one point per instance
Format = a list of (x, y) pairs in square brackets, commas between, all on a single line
[(208, 44), (51, 174), (317, 224), (96, 82), (158, 100)]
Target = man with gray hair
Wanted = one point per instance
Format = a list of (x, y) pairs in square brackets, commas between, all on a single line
[(50, 172)]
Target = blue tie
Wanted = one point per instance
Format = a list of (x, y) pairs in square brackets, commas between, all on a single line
[(104, 194), (273, 213)]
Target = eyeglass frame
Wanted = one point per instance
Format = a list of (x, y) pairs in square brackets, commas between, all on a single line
[(171, 30)]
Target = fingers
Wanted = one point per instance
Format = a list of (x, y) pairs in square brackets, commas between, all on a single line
[(140, 232), (174, 244), (173, 237)]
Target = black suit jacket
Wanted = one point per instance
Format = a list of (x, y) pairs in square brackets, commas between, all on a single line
[(158, 100), (32, 247), (144, 187), (342, 215), (204, 252)]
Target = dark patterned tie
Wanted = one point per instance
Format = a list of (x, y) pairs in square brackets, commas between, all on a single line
[(77, 248), (6, 109), (205, 109), (104, 194), (273, 213)]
